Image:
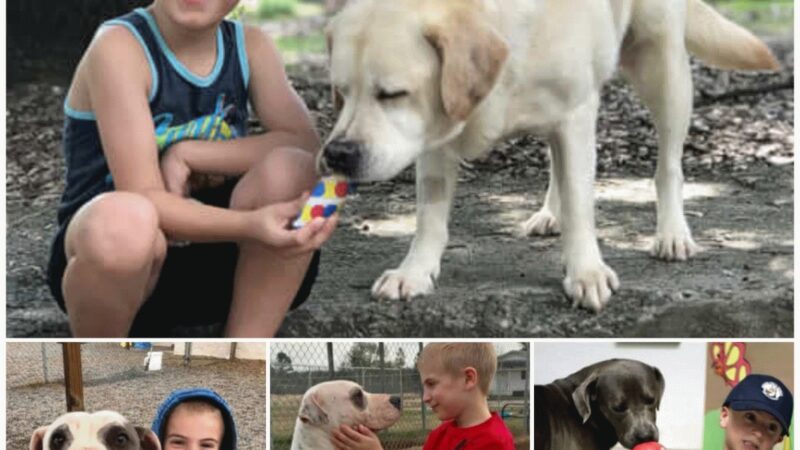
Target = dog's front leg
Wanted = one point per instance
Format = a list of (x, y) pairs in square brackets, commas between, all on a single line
[(589, 281), (437, 173)]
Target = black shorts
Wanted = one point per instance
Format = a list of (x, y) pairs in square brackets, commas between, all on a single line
[(195, 286)]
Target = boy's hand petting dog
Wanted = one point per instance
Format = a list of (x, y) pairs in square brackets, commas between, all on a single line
[(358, 437), (271, 226)]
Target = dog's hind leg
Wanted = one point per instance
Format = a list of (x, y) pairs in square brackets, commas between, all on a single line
[(657, 65), (437, 173), (545, 222)]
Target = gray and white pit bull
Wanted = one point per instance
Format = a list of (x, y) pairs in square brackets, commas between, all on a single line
[(602, 404), (102, 430), (327, 405)]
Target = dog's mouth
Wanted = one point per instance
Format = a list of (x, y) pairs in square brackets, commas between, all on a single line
[(749, 445)]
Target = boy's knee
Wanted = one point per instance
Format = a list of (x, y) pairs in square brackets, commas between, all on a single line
[(280, 176), (118, 232)]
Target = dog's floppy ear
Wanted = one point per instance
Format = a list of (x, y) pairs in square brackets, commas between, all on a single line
[(147, 439), (311, 412), (37, 439), (583, 395), (660, 384), (472, 54)]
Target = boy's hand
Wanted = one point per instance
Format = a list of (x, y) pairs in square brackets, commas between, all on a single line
[(271, 226), (355, 438), (175, 171)]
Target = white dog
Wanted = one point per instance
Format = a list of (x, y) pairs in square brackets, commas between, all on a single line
[(439, 81), (327, 405), (103, 430)]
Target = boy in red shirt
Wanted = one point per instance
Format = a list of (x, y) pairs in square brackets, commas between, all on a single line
[(455, 379)]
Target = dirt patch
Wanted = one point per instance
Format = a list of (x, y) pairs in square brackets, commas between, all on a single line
[(739, 162)]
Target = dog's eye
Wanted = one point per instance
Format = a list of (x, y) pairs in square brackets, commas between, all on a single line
[(358, 398), (649, 401), (121, 439), (57, 440), (620, 408), (384, 95)]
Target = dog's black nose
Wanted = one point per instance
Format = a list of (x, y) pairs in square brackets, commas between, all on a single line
[(396, 401), (343, 156), (646, 436)]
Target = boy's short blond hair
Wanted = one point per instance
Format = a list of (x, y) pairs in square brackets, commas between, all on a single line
[(453, 357)]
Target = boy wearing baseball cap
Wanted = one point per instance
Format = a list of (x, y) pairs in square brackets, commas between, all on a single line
[(757, 413)]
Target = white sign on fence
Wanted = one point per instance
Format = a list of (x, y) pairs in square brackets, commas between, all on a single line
[(153, 361)]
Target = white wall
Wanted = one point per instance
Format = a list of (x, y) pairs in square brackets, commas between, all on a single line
[(251, 350), (680, 418), (506, 381), (244, 350)]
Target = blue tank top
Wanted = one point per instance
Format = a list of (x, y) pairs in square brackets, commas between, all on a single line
[(183, 105)]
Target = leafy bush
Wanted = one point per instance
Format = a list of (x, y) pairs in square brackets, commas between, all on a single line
[(270, 9)]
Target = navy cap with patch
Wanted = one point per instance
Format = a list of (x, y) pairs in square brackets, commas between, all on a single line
[(763, 393)]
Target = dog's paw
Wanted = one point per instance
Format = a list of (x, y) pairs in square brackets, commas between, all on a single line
[(541, 223), (401, 284), (591, 287), (674, 246)]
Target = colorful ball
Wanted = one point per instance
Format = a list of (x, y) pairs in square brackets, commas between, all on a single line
[(341, 189), (329, 210), (648, 446)]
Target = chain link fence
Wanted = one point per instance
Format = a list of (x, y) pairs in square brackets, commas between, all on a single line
[(114, 377), (387, 367)]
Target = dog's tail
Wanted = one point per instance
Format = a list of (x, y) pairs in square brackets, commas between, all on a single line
[(722, 43)]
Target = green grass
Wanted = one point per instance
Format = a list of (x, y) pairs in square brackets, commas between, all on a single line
[(274, 9), (775, 17), (292, 47), (267, 10), (303, 9)]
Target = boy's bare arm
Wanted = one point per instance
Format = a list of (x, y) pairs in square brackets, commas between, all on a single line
[(118, 79), (279, 108)]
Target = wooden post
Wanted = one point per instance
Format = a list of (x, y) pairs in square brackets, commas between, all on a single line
[(382, 358), (331, 371), (422, 403), (73, 376)]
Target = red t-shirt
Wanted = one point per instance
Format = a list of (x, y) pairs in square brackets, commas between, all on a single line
[(489, 435)]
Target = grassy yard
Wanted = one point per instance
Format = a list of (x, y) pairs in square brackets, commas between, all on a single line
[(772, 18), (292, 47)]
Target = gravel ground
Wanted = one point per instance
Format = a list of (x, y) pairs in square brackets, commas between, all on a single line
[(114, 379), (739, 163)]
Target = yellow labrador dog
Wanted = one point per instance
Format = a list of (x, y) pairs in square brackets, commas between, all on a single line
[(433, 82), (327, 405)]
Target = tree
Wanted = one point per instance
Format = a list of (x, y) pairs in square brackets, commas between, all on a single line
[(363, 354), (399, 358), (283, 363)]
